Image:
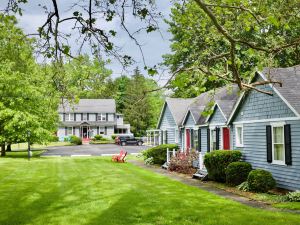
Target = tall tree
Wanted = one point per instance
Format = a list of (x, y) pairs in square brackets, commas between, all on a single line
[(226, 41), (28, 107), (141, 110)]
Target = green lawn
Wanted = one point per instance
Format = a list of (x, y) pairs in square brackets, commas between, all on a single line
[(98, 191)]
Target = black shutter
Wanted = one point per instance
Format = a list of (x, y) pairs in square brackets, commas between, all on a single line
[(199, 140), (97, 130), (208, 140), (106, 116), (64, 117), (217, 138), (288, 144), (166, 137), (87, 117), (81, 116), (74, 116), (96, 116), (269, 143), (66, 131), (192, 138)]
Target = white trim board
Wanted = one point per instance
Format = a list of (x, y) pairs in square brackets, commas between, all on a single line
[(268, 120)]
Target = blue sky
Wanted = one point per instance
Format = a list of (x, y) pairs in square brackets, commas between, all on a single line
[(154, 44)]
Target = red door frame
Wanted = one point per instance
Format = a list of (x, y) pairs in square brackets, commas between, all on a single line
[(188, 138), (226, 138)]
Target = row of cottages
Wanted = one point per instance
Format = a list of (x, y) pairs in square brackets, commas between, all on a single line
[(266, 128), (90, 117)]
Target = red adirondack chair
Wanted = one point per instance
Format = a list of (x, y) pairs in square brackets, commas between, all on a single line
[(120, 157)]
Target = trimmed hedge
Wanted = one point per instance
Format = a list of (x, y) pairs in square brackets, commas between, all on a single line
[(260, 181), (97, 137), (159, 153), (237, 172), (217, 161), (75, 140)]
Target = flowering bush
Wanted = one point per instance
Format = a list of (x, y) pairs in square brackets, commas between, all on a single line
[(183, 163), (149, 161), (293, 196)]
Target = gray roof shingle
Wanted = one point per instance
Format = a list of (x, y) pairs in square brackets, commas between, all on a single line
[(225, 97), (178, 107), (290, 78), (89, 106)]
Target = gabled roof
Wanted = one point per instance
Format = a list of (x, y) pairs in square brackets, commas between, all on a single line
[(290, 78), (289, 91), (89, 106), (225, 97), (178, 107)]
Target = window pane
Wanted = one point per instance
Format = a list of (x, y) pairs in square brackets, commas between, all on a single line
[(278, 152), (70, 131), (278, 134), (196, 139), (240, 135)]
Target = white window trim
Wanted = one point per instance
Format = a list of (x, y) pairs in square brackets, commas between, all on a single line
[(237, 141), (278, 162), (211, 129)]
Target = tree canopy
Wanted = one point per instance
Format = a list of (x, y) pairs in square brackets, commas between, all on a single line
[(226, 41), (28, 105)]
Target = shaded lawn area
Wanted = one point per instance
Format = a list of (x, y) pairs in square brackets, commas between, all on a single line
[(24, 146), (97, 191)]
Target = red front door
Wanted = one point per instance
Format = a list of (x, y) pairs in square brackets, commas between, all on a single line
[(226, 138), (188, 139)]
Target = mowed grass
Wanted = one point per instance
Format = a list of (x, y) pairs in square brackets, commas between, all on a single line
[(98, 191)]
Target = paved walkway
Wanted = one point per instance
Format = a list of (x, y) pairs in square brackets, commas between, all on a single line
[(186, 179)]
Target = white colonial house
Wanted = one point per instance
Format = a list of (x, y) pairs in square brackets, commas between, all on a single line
[(90, 117)]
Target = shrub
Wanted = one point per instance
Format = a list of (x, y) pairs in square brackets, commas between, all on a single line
[(293, 196), (261, 181), (159, 153), (243, 186), (237, 172), (75, 140), (54, 138), (217, 161), (182, 163), (97, 137), (113, 137)]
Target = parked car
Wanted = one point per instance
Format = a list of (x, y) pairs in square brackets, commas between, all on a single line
[(117, 138), (130, 140)]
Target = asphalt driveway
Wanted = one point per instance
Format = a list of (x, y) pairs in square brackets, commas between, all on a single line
[(91, 150)]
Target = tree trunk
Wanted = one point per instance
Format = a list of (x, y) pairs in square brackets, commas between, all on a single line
[(2, 149), (8, 147)]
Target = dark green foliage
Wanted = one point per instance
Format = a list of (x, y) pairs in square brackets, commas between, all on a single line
[(237, 172), (217, 161), (159, 153), (75, 140), (261, 181)]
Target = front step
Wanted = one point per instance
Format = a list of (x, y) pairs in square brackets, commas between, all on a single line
[(201, 174), (165, 166)]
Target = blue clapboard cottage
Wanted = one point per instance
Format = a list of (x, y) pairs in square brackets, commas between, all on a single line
[(266, 128), (204, 126), (169, 122)]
